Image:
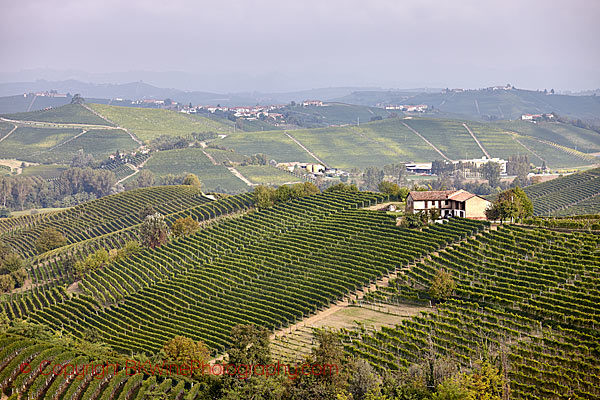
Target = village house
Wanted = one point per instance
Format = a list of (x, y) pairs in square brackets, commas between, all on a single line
[(317, 103), (450, 203)]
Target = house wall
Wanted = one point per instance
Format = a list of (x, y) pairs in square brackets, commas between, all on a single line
[(475, 207)]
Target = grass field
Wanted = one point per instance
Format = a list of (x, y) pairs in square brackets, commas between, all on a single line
[(44, 171), (192, 160), (69, 113), (333, 114), (149, 123), (267, 175), (555, 158)]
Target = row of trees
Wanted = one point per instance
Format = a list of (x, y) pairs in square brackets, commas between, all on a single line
[(20, 192), (266, 196)]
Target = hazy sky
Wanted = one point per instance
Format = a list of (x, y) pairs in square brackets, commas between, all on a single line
[(281, 45)]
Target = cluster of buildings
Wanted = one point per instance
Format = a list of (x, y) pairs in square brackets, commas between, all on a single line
[(537, 117), (312, 169), (407, 107), (246, 112), (426, 168), (316, 103), (51, 93)]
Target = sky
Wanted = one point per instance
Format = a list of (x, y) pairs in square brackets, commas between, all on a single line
[(282, 45)]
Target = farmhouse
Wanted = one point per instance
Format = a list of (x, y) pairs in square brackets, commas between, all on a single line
[(450, 203)]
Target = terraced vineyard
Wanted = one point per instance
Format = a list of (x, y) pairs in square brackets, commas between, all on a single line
[(108, 379), (50, 274), (98, 217), (270, 268), (559, 195), (530, 294)]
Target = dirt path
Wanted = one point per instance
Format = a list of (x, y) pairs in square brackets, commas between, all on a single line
[(239, 175), (132, 135), (477, 107), (56, 124), (477, 141), (427, 141), (31, 104), (529, 150), (9, 133), (306, 150), (83, 132), (135, 170), (212, 160)]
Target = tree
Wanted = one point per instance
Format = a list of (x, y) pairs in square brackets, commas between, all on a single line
[(264, 196), (145, 178), (192, 180), (49, 239), (184, 226), (389, 188), (442, 286), (77, 99), (154, 231), (4, 212), (98, 259), (147, 210), (363, 380), (183, 350), (491, 172), (510, 205)]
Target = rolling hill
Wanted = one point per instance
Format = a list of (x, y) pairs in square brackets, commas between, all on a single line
[(488, 104), (67, 114), (148, 124), (395, 140)]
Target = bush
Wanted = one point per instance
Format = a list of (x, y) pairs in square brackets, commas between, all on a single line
[(184, 226), (49, 239)]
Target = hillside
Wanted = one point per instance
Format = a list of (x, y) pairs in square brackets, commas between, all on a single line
[(193, 160), (148, 124), (393, 140), (69, 114), (331, 113), (566, 194), (488, 104), (98, 217), (536, 305)]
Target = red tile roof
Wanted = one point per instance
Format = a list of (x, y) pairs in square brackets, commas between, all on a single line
[(457, 195)]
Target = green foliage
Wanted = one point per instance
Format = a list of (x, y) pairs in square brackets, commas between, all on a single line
[(442, 286), (491, 173), (92, 262), (184, 226), (342, 187), (511, 205), (393, 190), (49, 238), (192, 180), (154, 231), (264, 196)]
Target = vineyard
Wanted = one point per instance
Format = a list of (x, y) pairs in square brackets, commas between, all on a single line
[(107, 379), (149, 123), (271, 268), (67, 114), (559, 195), (99, 217), (528, 295)]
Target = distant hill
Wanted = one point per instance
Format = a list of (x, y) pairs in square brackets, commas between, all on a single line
[(149, 123), (487, 104), (331, 114)]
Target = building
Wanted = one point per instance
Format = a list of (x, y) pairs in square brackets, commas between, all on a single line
[(420, 168), (450, 203), (479, 162), (317, 103)]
